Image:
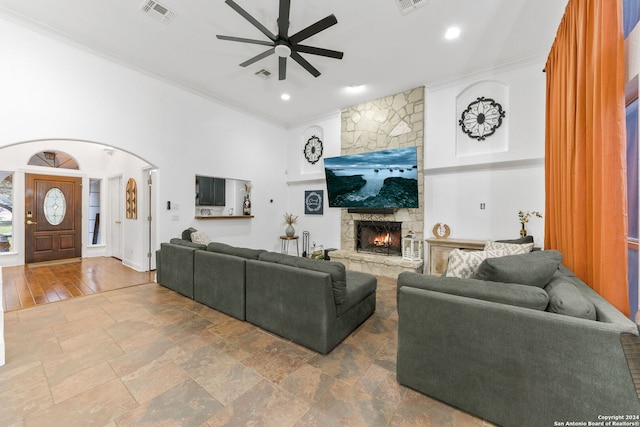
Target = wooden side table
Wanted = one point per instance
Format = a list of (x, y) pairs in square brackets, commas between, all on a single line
[(439, 250), (284, 244)]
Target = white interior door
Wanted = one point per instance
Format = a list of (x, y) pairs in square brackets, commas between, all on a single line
[(115, 211)]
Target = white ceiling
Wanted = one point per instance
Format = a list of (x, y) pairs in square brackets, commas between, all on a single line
[(384, 50)]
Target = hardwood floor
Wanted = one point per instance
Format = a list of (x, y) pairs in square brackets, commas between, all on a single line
[(34, 284)]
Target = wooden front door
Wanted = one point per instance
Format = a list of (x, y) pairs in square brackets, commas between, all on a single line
[(53, 210)]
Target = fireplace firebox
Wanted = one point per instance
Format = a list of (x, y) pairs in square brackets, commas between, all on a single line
[(379, 237)]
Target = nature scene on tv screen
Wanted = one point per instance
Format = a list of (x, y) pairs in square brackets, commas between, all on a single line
[(380, 179)]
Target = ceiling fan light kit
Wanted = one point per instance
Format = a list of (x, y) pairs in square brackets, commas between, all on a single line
[(282, 44)]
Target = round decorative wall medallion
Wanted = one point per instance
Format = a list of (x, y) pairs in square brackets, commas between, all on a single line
[(313, 150), (481, 118), (441, 231)]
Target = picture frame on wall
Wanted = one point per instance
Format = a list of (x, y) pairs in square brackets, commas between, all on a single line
[(314, 202)]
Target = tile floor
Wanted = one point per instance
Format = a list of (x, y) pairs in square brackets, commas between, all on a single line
[(146, 356)]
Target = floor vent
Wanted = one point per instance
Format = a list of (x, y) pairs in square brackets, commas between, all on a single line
[(157, 11), (407, 6), (264, 74)]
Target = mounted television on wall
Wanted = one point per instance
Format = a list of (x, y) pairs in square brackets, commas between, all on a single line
[(378, 179)]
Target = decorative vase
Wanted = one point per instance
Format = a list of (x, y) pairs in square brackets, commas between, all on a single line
[(523, 231), (246, 206), (290, 231)]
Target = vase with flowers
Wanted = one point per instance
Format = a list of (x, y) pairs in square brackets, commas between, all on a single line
[(246, 204), (524, 219), (290, 219)]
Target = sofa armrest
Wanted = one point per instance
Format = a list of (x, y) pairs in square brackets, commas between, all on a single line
[(175, 268), (508, 364)]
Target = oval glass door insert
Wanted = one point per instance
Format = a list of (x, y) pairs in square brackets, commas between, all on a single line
[(55, 206)]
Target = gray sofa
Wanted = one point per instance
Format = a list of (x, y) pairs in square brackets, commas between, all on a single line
[(515, 354), (314, 303)]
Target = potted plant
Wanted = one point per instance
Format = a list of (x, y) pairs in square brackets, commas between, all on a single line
[(290, 219), (524, 219)]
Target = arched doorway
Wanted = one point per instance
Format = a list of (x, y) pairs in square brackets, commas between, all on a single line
[(97, 165)]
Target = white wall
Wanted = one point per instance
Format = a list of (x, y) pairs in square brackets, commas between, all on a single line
[(301, 175), (506, 181), (52, 90)]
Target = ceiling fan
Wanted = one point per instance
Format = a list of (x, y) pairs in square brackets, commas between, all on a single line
[(282, 44)]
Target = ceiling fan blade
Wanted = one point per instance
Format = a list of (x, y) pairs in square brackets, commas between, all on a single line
[(305, 64), (258, 57), (312, 29), (251, 19), (318, 51), (283, 18), (241, 40), (282, 68)]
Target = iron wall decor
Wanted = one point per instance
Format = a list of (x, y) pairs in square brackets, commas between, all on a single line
[(313, 150), (481, 118)]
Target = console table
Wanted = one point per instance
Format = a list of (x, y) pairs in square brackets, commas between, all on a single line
[(439, 250)]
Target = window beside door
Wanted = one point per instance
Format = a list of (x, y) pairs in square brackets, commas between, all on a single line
[(6, 211)]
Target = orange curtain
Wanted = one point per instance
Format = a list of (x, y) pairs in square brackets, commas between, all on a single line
[(585, 162)]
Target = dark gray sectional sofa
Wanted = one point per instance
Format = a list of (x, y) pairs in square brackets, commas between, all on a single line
[(314, 303), (539, 354)]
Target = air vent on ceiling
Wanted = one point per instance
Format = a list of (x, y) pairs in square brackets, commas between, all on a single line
[(407, 6), (157, 11), (264, 74)]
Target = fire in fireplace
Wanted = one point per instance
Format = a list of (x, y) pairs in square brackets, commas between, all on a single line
[(379, 237)]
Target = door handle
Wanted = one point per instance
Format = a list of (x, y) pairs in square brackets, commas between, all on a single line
[(29, 222), (118, 222)]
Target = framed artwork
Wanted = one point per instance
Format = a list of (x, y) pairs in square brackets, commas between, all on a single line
[(313, 202)]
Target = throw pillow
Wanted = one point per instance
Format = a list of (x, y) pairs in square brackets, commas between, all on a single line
[(463, 264), (511, 248), (565, 298), (186, 234), (534, 269), (200, 237)]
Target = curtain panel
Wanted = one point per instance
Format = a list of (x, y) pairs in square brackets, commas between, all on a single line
[(585, 163)]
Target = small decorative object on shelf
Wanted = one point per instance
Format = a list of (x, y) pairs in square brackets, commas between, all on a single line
[(441, 231), (246, 205), (524, 219), (290, 219), (411, 247)]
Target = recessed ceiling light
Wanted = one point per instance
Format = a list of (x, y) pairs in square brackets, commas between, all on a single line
[(452, 33), (355, 88), (285, 97)]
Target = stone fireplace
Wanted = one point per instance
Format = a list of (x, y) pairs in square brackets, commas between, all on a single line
[(379, 237), (394, 121)]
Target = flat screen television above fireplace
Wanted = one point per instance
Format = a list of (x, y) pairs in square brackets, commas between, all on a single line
[(378, 179)]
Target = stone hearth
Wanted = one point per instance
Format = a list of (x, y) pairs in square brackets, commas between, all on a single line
[(378, 265)]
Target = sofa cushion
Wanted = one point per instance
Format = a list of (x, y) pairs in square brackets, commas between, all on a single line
[(359, 286), (565, 298), (463, 264), (233, 250), (200, 237), (186, 234), (534, 269), (335, 269), (510, 248), (187, 243), (504, 293)]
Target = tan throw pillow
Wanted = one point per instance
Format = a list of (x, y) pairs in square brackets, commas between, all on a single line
[(200, 237), (510, 248), (464, 264)]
